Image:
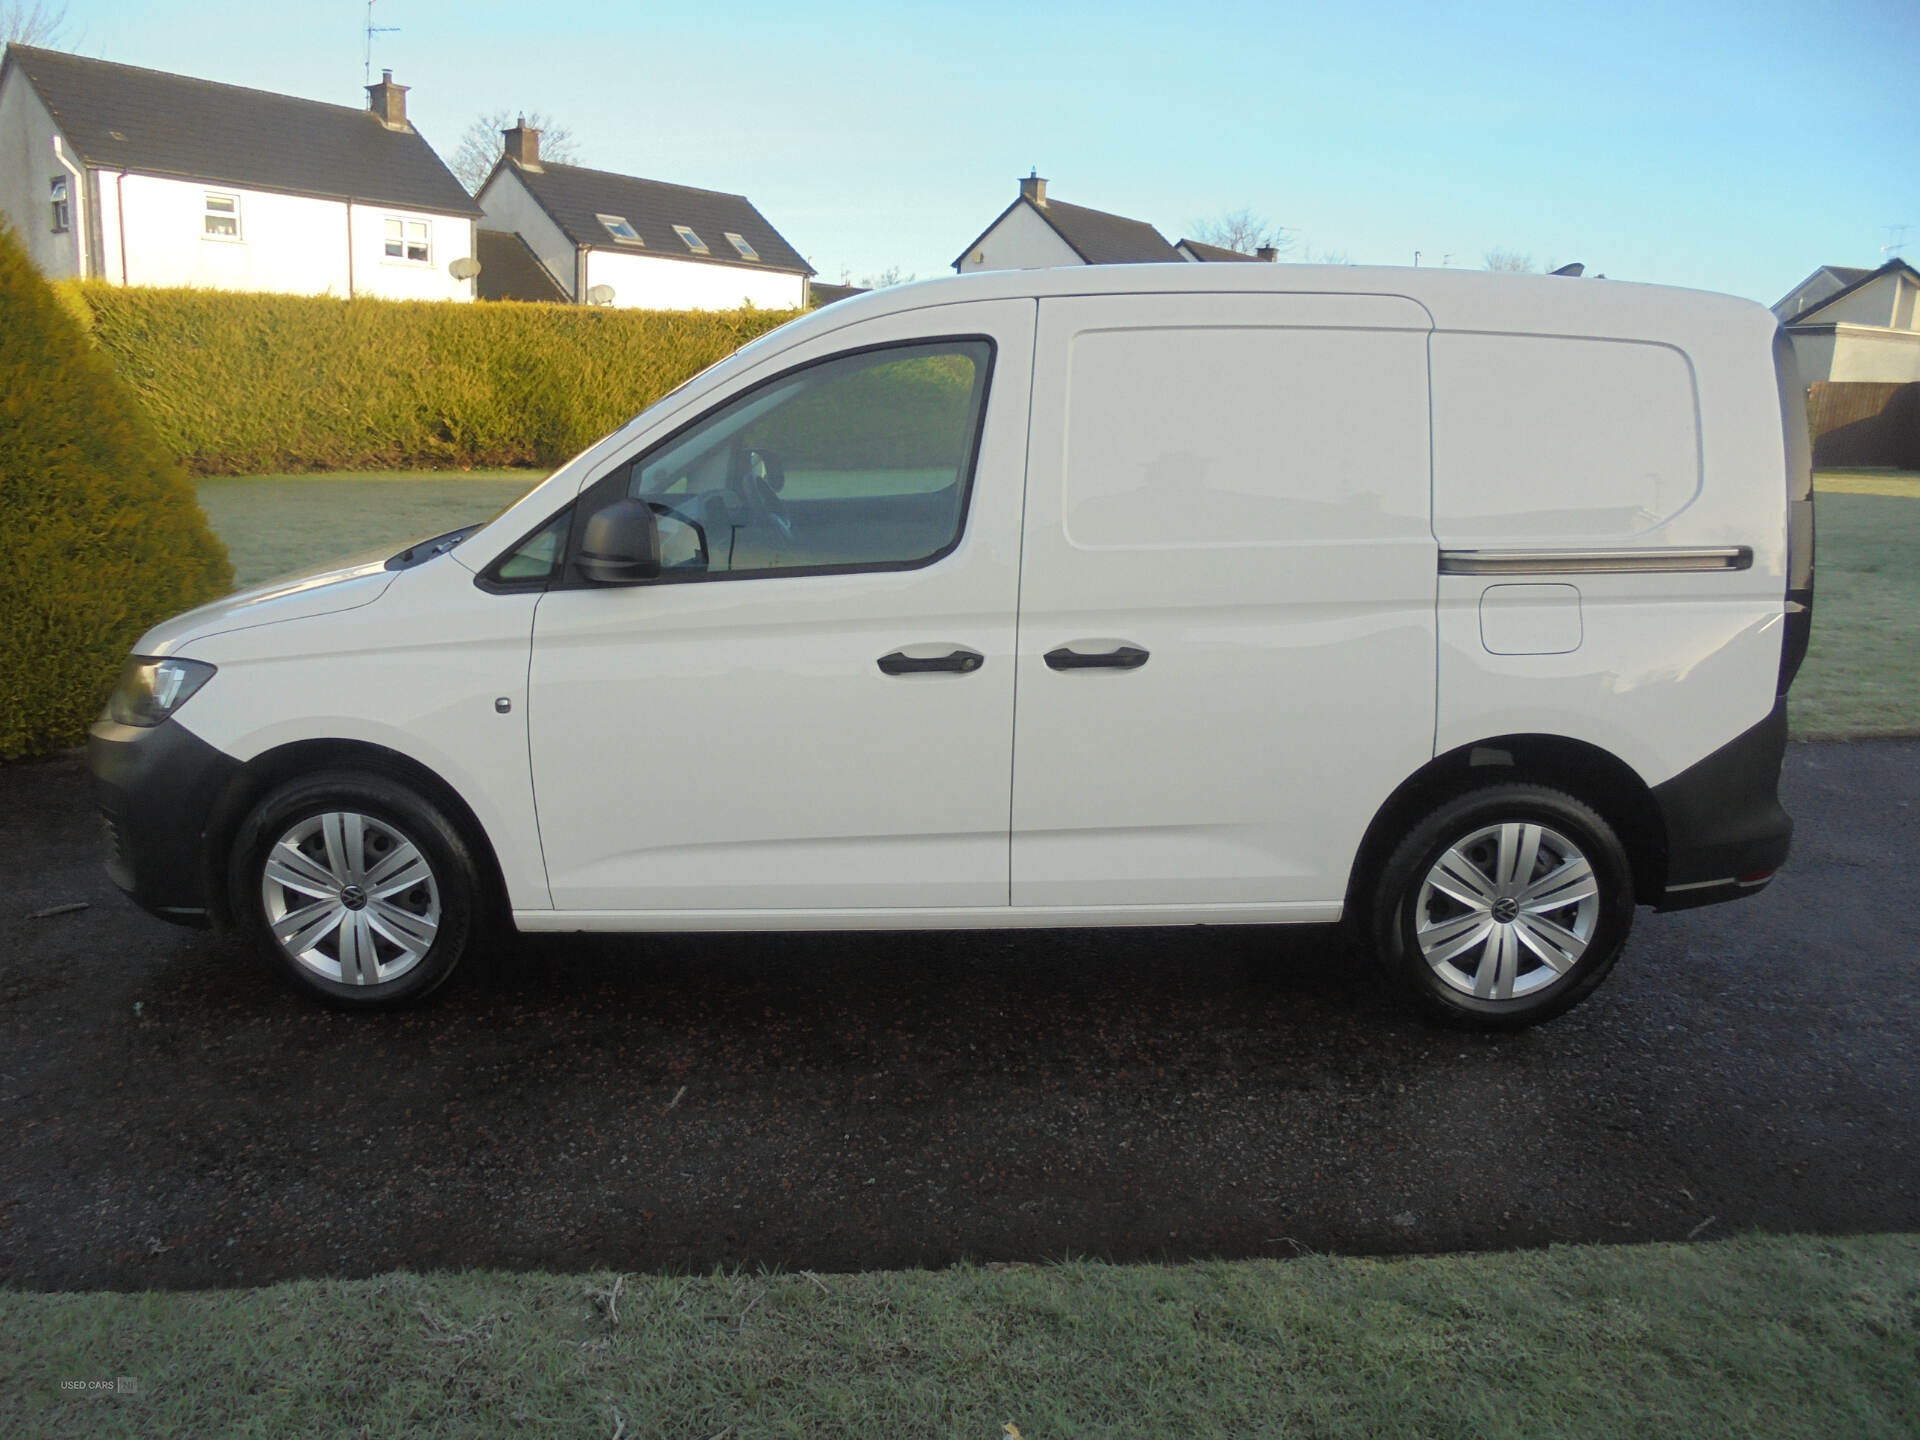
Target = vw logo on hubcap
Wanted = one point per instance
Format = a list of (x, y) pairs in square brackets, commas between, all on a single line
[(354, 898), (1506, 910)]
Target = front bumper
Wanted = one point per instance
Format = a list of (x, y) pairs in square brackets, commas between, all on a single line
[(1726, 830), (156, 788)]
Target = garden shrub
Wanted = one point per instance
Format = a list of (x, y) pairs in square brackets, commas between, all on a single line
[(100, 534), (257, 384)]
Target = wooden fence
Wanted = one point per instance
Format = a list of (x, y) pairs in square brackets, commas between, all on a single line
[(1860, 423)]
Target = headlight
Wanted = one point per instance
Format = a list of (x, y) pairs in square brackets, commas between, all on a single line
[(151, 690)]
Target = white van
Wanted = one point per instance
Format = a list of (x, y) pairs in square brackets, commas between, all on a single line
[(1459, 606)]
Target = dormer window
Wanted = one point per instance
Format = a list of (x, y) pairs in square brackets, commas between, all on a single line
[(62, 207), (739, 242), (220, 217), (694, 242), (618, 227)]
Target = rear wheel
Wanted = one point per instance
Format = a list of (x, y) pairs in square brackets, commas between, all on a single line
[(1506, 906), (354, 889)]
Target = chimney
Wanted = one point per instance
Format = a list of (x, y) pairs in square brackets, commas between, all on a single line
[(388, 102), (522, 145), (1268, 253), (1035, 189)]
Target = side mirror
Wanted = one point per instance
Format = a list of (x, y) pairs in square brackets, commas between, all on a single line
[(621, 545)]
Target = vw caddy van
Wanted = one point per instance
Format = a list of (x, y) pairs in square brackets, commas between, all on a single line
[(1461, 607)]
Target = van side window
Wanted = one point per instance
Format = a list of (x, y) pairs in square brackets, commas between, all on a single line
[(535, 557), (861, 462)]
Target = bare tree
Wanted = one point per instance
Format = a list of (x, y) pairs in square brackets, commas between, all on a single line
[(890, 276), (1511, 262), (1244, 231), (1310, 256), (32, 22), (480, 144)]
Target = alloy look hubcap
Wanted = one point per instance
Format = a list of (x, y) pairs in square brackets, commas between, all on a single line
[(1507, 910), (350, 898)]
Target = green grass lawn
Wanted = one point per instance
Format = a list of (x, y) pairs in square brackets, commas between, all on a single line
[(1877, 480), (1754, 1337), (1862, 674), (276, 523)]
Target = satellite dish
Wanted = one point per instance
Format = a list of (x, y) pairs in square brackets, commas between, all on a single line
[(464, 268), (600, 295)]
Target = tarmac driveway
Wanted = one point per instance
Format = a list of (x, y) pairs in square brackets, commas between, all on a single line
[(170, 1118)]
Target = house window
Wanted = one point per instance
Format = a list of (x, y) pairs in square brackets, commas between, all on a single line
[(221, 217), (409, 240), (747, 252), (694, 242), (618, 227), (62, 209)]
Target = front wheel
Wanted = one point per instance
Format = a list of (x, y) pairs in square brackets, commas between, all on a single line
[(354, 889), (1506, 906)]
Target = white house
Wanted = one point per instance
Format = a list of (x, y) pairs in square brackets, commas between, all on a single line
[(1851, 324), (139, 177), (620, 240), (1035, 233)]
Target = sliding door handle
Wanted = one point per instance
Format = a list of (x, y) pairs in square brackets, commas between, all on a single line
[(960, 662), (1125, 657)]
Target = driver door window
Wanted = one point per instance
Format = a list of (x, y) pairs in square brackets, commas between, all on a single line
[(861, 462)]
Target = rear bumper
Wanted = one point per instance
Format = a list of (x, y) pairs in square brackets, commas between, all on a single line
[(156, 787), (1726, 830)]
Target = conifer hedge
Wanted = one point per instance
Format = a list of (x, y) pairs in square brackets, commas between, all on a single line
[(263, 384), (100, 534)]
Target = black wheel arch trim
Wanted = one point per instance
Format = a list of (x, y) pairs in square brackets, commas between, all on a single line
[(1719, 820), (174, 804), (252, 782), (1724, 821), (1592, 775)]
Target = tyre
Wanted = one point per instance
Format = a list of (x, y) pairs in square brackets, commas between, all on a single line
[(354, 889), (1504, 907)]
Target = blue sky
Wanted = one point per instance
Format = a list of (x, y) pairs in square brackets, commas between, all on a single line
[(1730, 146)]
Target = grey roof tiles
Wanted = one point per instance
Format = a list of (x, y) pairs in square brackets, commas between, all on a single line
[(1203, 251), (576, 198), (121, 117), (1103, 239)]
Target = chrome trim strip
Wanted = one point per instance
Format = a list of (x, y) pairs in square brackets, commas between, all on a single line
[(1593, 562), (1722, 884)]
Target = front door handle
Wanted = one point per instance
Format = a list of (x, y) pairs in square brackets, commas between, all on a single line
[(1126, 657), (960, 662)]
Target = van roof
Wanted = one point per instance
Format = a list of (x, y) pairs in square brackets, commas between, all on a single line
[(1455, 299)]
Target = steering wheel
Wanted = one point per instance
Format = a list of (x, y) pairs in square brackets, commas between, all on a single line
[(747, 478)]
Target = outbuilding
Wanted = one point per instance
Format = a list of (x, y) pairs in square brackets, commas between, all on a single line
[(1856, 325)]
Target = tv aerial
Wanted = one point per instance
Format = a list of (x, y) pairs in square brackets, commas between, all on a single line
[(373, 30)]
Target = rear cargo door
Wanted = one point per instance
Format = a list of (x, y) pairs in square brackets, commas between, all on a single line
[(1226, 636)]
